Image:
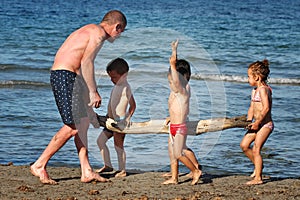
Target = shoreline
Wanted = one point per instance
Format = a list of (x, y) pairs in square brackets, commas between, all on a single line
[(18, 183)]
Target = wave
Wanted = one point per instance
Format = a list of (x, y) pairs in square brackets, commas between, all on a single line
[(242, 79), (13, 67), (22, 84), (31, 84), (206, 77)]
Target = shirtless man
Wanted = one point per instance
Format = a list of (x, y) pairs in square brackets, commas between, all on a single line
[(75, 91), (179, 75)]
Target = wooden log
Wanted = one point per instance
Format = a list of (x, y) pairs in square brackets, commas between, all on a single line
[(160, 126), (218, 124)]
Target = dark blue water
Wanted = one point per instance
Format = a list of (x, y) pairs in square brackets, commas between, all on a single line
[(220, 39)]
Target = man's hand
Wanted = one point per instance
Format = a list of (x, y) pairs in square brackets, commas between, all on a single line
[(95, 99)]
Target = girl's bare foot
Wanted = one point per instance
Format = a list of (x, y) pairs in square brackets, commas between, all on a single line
[(170, 181), (121, 174), (254, 182), (168, 174), (105, 169), (42, 174), (196, 176), (253, 174)]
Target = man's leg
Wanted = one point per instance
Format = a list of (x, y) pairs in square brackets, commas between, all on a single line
[(59, 139), (81, 143)]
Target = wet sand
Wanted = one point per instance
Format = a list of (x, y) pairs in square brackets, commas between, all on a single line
[(18, 183)]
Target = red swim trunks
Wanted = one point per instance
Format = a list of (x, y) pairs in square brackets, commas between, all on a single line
[(178, 129)]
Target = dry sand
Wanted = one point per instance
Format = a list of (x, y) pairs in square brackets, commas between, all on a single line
[(18, 183)]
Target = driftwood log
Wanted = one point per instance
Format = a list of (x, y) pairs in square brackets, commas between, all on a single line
[(160, 126)]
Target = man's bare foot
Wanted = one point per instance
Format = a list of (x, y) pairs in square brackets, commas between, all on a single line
[(43, 175), (105, 169), (168, 174), (196, 176), (121, 174), (170, 181), (254, 182), (93, 177)]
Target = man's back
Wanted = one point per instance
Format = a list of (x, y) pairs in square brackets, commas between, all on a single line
[(82, 44)]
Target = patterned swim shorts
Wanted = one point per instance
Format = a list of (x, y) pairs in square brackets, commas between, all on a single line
[(69, 89)]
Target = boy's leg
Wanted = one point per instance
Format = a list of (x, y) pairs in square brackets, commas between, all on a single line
[(179, 144), (58, 140), (191, 155), (261, 138), (119, 147), (101, 141), (173, 165), (81, 143), (170, 149)]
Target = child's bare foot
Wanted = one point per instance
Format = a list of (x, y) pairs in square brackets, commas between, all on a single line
[(254, 182), (170, 181), (121, 174), (168, 174), (92, 176), (42, 174), (196, 176), (189, 175), (105, 169), (253, 174)]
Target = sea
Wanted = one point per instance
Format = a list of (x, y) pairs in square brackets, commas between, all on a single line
[(219, 39)]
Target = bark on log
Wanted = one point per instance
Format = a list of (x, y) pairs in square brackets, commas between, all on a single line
[(160, 127)]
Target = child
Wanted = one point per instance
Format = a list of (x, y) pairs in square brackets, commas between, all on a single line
[(121, 96), (179, 75), (260, 111)]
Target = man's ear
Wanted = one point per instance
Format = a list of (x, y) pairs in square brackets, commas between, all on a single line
[(118, 27)]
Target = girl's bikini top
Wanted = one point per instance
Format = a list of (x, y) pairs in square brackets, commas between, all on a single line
[(256, 96)]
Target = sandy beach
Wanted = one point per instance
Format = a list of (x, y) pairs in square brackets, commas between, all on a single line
[(18, 183)]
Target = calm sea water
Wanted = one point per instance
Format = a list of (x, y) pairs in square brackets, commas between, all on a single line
[(219, 39)]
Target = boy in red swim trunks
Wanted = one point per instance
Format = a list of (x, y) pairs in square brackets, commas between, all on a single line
[(179, 75)]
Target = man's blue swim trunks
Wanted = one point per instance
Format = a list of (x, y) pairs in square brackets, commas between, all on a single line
[(68, 89)]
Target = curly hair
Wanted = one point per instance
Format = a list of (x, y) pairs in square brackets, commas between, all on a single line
[(260, 68)]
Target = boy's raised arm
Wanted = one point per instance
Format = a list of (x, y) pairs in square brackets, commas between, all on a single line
[(173, 57), (174, 73)]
